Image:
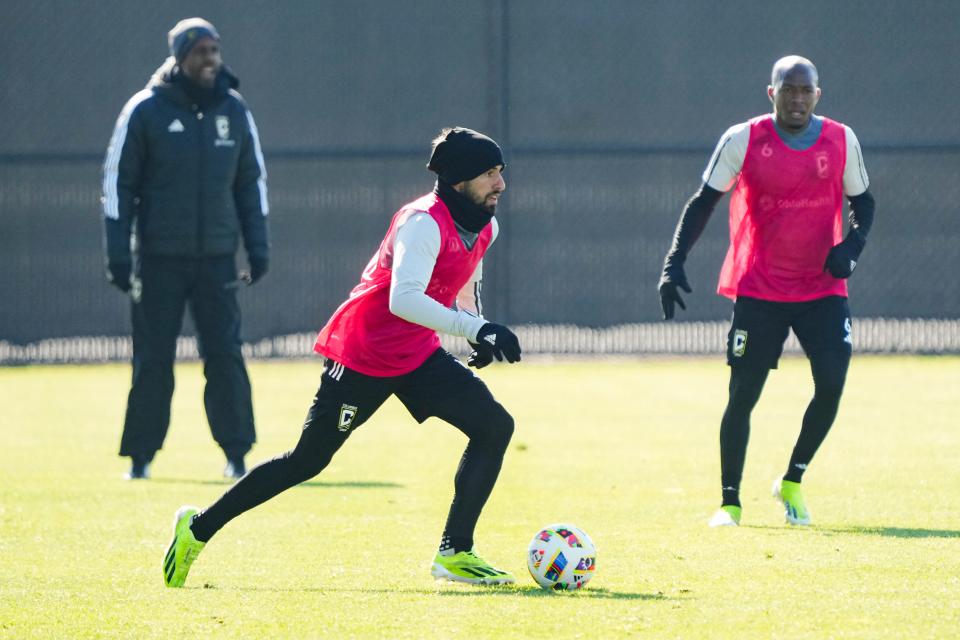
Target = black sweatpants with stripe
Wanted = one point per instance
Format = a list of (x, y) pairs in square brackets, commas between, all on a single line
[(169, 284), (442, 387)]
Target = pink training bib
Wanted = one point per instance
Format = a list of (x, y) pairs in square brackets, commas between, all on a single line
[(364, 335), (786, 212)]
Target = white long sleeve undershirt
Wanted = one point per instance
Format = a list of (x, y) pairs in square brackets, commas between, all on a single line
[(415, 250)]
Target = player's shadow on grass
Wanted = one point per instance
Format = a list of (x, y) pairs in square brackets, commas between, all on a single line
[(315, 484), (884, 532), (465, 591), (893, 532)]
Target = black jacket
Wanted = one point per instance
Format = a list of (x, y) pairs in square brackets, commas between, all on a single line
[(187, 181)]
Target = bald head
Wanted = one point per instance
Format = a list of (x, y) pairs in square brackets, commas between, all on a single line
[(790, 65), (794, 91)]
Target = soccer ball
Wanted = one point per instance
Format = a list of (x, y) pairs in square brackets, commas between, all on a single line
[(561, 556)]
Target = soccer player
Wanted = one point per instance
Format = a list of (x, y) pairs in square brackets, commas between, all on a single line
[(786, 267), (382, 341)]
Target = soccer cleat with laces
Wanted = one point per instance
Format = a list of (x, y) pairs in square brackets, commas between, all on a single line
[(467, 566), (726, 516), (184, 548), (794, 508)]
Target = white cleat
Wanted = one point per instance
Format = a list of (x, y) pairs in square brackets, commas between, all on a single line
[(726, 516)]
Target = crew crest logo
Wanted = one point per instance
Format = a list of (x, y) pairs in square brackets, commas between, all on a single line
[(823, 165), (347, 413), (739, 346), (223, 132)]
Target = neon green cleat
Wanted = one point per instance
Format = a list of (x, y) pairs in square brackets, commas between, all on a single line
[(184, 548), (726, 516), (794, 508), (467, 566)]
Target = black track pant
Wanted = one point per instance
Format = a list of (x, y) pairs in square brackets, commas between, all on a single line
[(441, 387), (209, 287)]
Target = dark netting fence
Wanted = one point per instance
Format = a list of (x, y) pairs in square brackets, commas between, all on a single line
[(607, 113)]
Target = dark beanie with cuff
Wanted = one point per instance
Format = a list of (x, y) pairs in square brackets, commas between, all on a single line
[(463, 155), (187, 33)]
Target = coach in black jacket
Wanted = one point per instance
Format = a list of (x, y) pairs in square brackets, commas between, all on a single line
[(183, 181)]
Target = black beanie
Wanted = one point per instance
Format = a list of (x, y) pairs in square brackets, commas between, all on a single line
[(187, 33), (463, 154)]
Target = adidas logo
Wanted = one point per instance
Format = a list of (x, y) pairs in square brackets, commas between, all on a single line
[(492, 339), (853, 265), (176, 126)]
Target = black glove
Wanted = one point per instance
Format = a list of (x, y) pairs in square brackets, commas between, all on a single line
[(118, 274), (480, 357), (259, 265), (673, 278), (499, 341), (842, 259)]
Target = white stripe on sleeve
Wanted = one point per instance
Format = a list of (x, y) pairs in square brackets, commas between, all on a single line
[(262, 180), (468, 298), (111, 165)]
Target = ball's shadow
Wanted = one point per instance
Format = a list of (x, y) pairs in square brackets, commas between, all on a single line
[(536, 592)]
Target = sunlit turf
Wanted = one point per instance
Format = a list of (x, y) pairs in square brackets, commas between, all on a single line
[(625, 449)]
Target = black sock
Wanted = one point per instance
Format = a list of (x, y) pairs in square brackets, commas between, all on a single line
[(311, 455), (731, 496), (262, 483), (477, 473), (455, 544), (795, 472), (745, 387), (200, 534), (829, 374)]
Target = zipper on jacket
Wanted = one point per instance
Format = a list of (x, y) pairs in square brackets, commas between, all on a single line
[(200, 179)]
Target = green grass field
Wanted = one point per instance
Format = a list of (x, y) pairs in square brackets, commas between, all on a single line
[(625, 449)]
